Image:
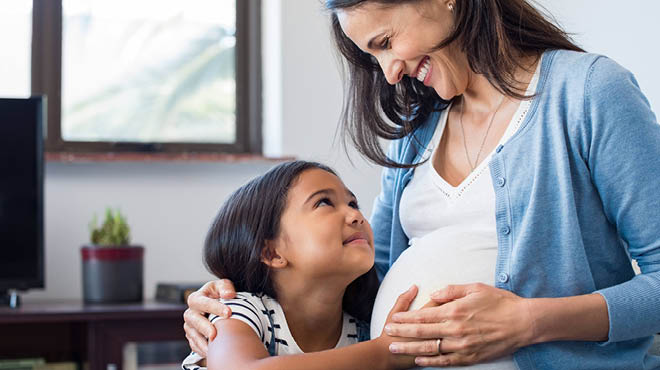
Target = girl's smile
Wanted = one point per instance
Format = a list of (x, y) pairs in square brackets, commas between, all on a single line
[(357, 238)]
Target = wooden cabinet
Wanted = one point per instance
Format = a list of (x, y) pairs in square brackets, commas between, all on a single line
[(93, 334)]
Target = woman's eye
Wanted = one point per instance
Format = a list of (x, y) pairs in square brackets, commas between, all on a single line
[(385, 44), (354, 204), (324, 202)]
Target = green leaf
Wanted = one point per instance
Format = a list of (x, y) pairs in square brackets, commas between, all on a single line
[(113, 232)]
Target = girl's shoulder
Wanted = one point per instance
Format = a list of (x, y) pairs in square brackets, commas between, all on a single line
[(253, 301), (252, 308)]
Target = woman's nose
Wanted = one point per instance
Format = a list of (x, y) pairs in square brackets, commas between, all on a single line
[(392, 68)]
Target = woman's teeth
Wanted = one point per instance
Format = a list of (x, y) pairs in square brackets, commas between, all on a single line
[(424, 70)]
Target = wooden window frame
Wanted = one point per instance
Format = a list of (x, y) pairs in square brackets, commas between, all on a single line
[(47, 80)]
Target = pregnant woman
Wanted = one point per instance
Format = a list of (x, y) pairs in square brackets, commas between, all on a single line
[(520, 181)]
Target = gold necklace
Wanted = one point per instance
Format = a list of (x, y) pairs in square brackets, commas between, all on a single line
[(483, 141)]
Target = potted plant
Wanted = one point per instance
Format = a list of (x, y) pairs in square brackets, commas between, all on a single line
[(112, 268)]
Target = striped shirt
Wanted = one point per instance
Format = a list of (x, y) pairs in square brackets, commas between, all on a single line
[(265, 316)]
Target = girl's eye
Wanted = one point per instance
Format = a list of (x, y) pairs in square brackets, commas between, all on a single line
[(324, 202), (354, 204)]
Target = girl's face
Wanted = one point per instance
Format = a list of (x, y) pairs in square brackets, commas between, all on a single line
[(323, 235), (402, 37)]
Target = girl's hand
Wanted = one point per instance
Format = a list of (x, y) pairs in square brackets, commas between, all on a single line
[(474, 322), (199, 329), (401, 305)]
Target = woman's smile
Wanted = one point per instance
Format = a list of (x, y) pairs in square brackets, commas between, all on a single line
[(424, 71), (410, 45)]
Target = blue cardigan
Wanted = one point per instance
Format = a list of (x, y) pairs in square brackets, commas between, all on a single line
[(577, 195)]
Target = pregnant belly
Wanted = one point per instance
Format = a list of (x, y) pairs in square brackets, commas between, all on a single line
[(432, 267)]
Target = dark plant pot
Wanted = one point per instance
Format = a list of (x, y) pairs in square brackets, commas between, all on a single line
[(112, 274)]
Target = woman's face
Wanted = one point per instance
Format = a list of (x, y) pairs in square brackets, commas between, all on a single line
[(323, 235), (402, 37)]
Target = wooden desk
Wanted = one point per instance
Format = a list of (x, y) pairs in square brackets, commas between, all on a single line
[(73, 331)]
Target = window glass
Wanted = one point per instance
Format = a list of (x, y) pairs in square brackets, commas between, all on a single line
[(15, 53), (149, 71)]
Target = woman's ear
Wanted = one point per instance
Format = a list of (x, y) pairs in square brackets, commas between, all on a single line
[(271, 257)]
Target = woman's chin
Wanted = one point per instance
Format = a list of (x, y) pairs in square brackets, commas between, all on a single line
[(444, 93)]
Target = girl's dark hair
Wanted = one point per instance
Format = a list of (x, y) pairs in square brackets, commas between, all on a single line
[(248, 218), (494, 34)]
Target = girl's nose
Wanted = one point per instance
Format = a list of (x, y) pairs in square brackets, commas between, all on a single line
[(355, 217)]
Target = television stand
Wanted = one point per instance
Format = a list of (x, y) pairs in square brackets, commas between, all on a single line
[(10, 298)]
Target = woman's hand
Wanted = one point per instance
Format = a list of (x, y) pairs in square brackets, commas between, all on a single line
[(475, 323), (401, 305), (199, 329)]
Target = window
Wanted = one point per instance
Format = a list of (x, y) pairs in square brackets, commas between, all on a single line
[(149, 75), (15, 20)]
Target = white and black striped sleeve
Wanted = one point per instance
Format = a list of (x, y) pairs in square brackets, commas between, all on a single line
[(248, 309)]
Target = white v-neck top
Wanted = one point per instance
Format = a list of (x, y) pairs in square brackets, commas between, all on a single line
[(430, 205), (451, 231)]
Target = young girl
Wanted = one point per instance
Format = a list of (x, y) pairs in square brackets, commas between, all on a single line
[(301, 254)]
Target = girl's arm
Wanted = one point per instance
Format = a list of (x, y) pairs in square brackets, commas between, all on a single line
[(238, 347)]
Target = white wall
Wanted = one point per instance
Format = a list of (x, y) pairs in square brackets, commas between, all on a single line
[(170, 205), (626, 31)]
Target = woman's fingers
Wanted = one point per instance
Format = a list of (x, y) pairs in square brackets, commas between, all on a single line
[(206, 298), (215, 289), (225, 287), (427, 314), (430, 347), (433, 347), (196, 341), (453, 292), (447, 359), (404, 300), (422, 331), (430, 303), (198, 324), (477, 323), (449, 294)]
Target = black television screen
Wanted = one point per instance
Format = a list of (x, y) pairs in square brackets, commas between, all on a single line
[(21, 194)]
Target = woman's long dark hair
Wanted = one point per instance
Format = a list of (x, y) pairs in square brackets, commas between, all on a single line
[(249, 217), (494, 34)]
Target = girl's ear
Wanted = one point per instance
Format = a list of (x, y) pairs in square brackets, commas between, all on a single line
[(271, 258)]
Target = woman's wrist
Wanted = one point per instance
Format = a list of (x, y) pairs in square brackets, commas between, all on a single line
[(578, 318)]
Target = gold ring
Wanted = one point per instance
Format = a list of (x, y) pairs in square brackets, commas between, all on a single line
[(439, 342)]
